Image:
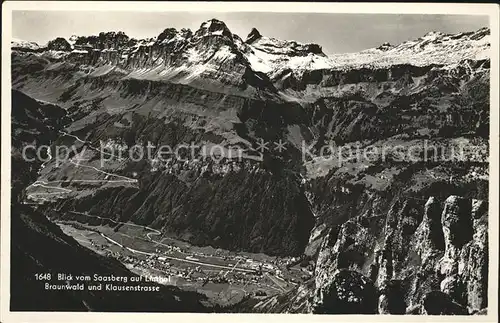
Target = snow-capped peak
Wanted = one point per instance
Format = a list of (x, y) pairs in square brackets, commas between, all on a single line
[(213, 27), (24, 44), (433, 34)]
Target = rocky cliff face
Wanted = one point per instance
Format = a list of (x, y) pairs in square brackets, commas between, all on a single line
[(425, 267), (402, 230)]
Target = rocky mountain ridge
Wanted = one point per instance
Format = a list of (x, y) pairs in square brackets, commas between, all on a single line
[(213, 44)]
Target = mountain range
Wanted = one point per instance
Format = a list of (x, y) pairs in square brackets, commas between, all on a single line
[(400, 236)]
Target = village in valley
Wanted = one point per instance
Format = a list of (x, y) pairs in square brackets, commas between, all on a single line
[(224, 277)]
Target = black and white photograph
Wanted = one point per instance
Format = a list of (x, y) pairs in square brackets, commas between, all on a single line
[(240, 161)]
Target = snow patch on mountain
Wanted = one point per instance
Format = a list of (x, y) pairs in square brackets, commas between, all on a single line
[(19, 43), (266, 62)]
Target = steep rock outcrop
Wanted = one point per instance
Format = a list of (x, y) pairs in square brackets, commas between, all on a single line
[(253, 36), (348, 292), (458, 230), (464, 264), (473, 261), (341, 250), (429, 236)]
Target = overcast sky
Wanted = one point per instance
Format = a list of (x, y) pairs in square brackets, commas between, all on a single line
[(337, 33)]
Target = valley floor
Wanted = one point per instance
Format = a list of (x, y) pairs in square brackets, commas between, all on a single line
[(225, 277)]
